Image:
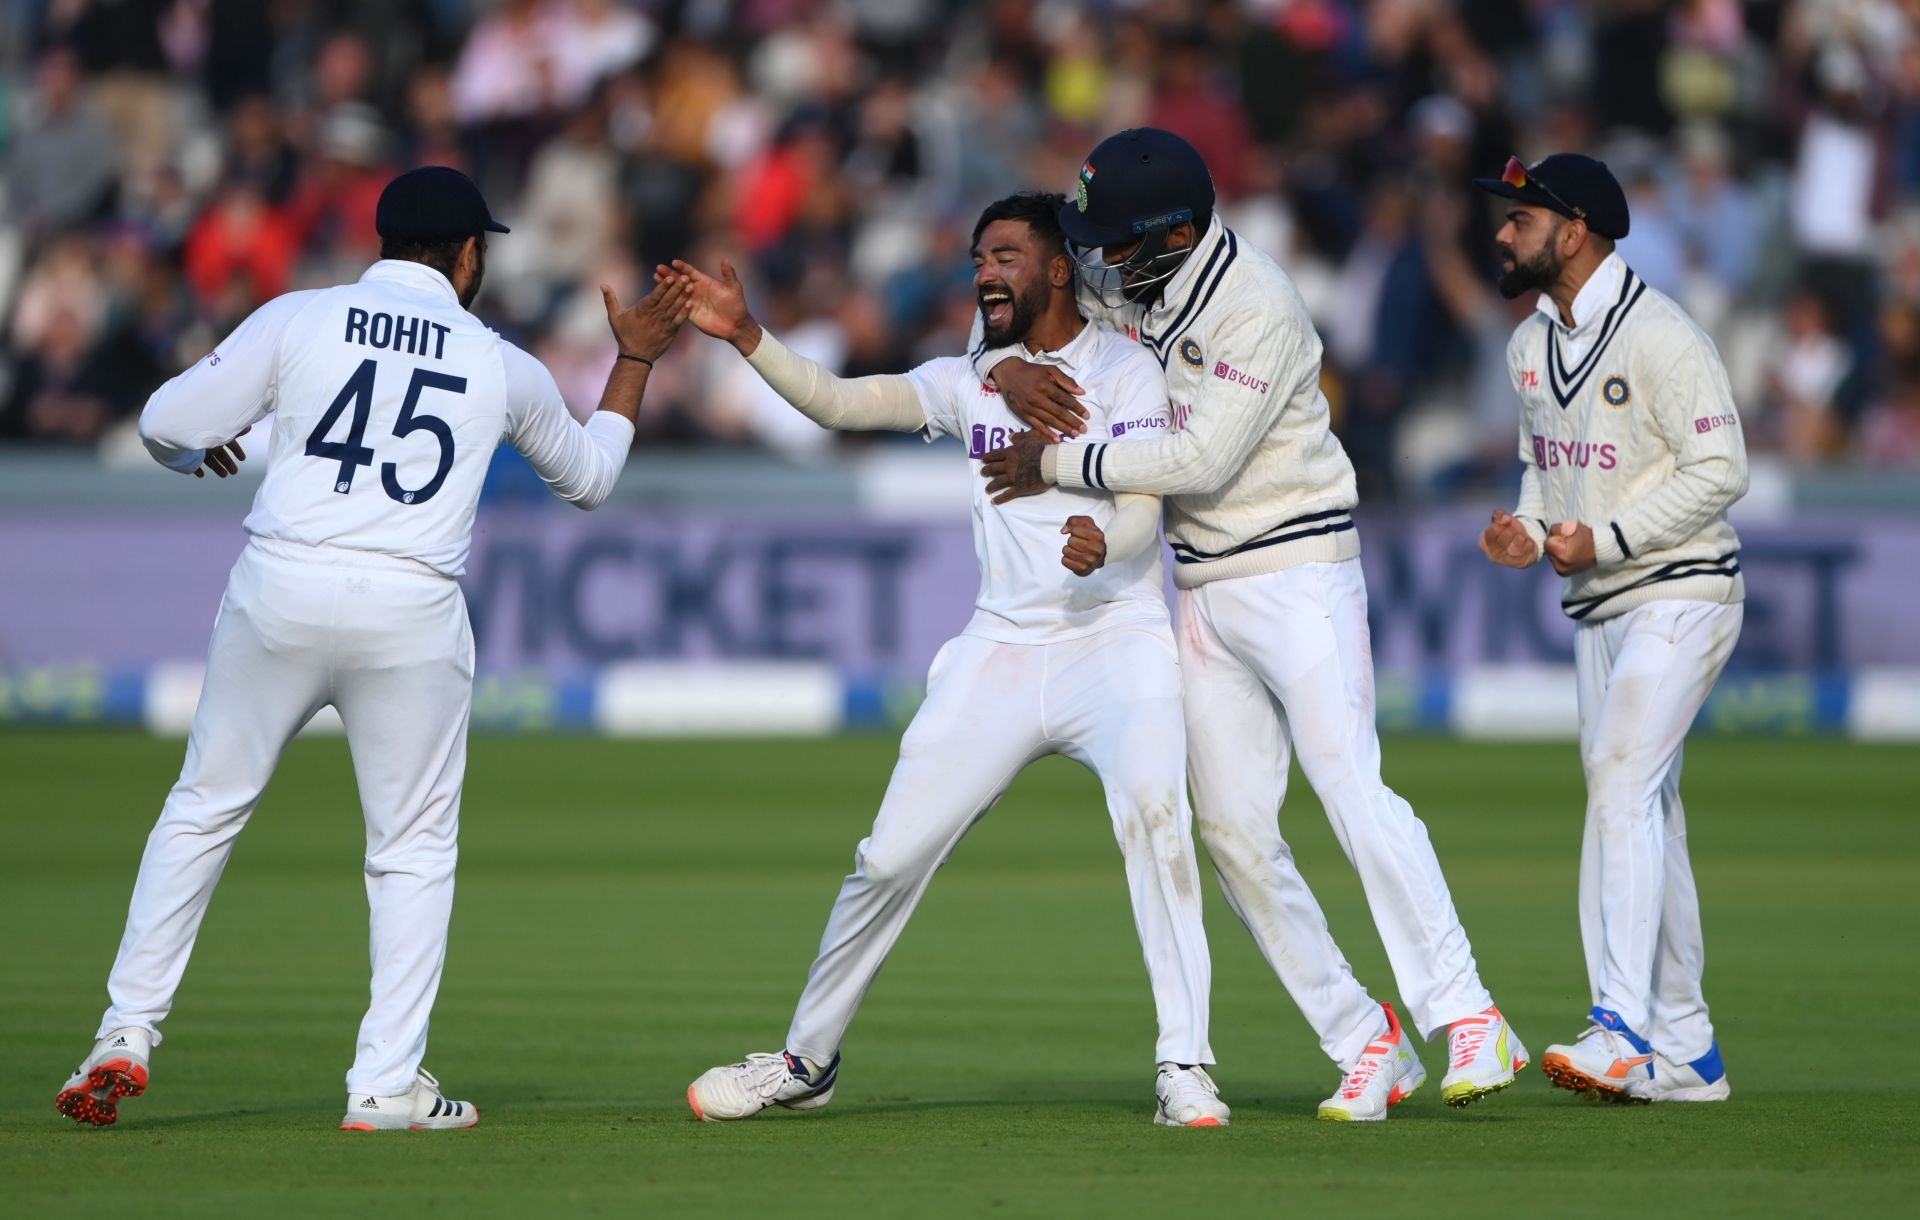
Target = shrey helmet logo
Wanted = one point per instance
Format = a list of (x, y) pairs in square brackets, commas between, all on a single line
[(1190, 352), (1615, 391), (1080, 192)]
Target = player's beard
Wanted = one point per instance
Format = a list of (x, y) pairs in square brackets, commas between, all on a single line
[(1536, 274), (1027, 307)]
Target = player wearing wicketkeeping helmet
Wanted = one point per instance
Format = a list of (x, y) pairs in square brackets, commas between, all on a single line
[(1631, 454), (1274, 650)]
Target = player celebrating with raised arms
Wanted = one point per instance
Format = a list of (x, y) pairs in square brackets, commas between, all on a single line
[(389, 400), (1273, 609), (1077, 662), (1631, 454)]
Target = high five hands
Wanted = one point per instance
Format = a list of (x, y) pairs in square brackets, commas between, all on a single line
[(645, 329), (718, 306)]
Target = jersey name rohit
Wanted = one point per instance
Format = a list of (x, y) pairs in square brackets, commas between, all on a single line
[(397, 333)]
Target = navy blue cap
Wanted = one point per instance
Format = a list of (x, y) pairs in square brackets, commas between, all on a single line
[(1136, 182), (1571, 185), (435, 203)]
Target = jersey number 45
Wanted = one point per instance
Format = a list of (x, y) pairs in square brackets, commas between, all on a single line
[(352, 454)]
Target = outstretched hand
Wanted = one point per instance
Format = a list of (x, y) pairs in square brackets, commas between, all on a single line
[(647, 327), (719, 306)]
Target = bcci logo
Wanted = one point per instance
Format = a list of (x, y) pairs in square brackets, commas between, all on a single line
[(1615, 391), (1190, 352), (1086, 178)]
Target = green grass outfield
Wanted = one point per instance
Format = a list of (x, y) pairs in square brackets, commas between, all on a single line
[(630, 913)]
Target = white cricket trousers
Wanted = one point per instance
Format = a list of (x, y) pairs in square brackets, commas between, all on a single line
[(1282, 662), (1643, 677), (1110, 701), (386, 642)]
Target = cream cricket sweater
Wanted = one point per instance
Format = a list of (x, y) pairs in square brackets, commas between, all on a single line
[(1254, 479), (1628, 426)]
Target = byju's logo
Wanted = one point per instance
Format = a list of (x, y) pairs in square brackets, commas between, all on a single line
[(1708, 423), (1155, 422), (1226, 372)]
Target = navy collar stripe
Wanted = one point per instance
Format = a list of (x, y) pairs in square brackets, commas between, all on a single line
[(1204, 301), (1613, 313), (1631, 290), (1210, 278)]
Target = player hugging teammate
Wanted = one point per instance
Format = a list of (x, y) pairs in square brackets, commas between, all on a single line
[(1095, 312)]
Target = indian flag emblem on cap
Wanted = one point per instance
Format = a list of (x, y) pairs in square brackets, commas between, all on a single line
[(1080, 192)]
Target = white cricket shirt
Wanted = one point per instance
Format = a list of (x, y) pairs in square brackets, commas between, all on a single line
[(1026, 596), (389, 400)]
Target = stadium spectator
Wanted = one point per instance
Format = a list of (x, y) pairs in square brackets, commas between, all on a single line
[(828, 147)]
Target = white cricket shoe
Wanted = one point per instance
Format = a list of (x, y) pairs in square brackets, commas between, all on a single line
[(742, 1090), (1704, 1079), (1606, 1059), (1188, 1098), (422, 1109), (1387, 1073), (1484, 1055), (116, 1068)]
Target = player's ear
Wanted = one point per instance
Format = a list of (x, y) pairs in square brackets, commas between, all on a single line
[(1060, 270), (1180, 236)]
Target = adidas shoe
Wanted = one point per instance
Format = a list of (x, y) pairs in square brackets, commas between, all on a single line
[(742, 1090), (423, 1109), (1188, 1098), (117, 1068), (1387, 1074), (1704, 1079), (1483, 1057), (1606, 1059)]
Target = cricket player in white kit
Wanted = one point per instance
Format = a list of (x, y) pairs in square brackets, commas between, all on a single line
[(389, 400), (1274, 649), (1078, 662), (1631, 454)]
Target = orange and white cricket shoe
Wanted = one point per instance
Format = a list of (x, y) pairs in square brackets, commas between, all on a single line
[(421, 1109), (1484, 1055), (117, 1068), (1606, 1059), (1188, 1098), (1387, 1073)]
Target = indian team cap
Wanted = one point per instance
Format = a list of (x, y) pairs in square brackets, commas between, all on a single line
[(435, 203)]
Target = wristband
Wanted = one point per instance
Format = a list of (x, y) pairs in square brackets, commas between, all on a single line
[(641, 359)]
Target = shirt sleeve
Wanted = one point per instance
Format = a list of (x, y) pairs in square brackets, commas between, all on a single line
[(1135, 525), (1273, 355), (1532, 509), (936, 383), (224, 393), (580, 462), (1694, 412), (884, 402)]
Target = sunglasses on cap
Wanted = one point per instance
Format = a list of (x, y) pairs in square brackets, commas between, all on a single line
[(1515, 175)]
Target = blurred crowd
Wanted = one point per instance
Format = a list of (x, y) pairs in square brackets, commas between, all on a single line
[(169, 164)]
